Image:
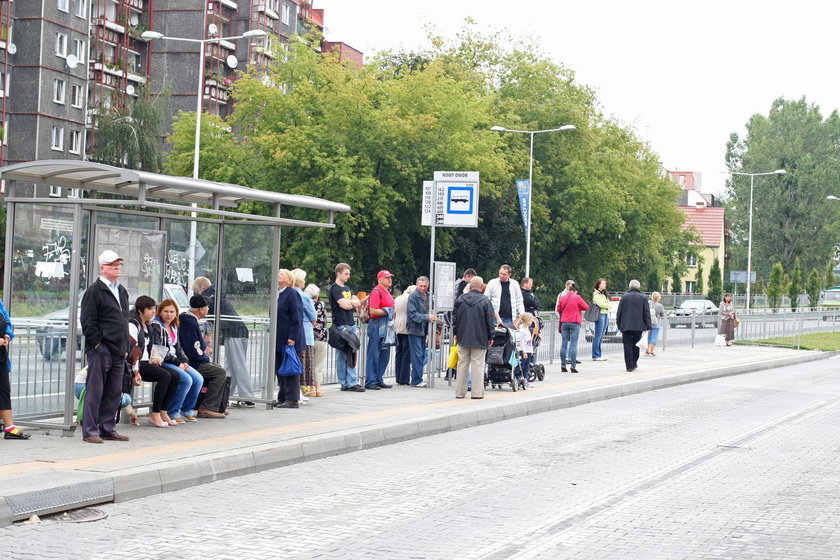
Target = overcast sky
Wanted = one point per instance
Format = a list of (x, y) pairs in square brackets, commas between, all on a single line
[(683, 74)]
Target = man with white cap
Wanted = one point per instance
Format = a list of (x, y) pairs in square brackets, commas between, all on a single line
[(104, 318)]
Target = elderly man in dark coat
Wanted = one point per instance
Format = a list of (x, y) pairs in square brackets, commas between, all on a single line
[(474, 320), (633, 318)]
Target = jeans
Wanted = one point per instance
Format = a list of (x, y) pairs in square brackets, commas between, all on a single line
[(570, 333), (653, 337), (378, 356), (347, 375), (183, 403), (600, 329), (402, 365), (419, 357)]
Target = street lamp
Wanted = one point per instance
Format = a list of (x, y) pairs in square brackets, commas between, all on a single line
[(154, 35), (532, 133), (752, 177)]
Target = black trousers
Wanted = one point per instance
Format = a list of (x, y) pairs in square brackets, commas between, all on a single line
[(5, 385), (166, 383), (631, 351), (288, 386), (402, 366), (102, 396)]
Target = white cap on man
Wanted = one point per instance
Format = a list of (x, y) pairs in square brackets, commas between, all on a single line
[(108, 256)]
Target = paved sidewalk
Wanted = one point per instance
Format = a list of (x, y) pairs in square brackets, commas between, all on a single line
[(51, 473)]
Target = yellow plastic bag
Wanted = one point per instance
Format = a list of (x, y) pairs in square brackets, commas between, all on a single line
[(452, 362)]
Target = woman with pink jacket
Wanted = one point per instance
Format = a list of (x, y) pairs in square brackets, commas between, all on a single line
[(570, 308)]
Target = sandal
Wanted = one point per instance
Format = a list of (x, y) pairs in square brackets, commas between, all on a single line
[(16, 433), (156, 425)]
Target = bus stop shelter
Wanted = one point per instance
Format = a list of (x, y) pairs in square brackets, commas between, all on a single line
[(60, 214)]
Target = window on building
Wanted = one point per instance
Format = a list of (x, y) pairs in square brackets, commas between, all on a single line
[(64, 5), (3, 87), (690, 286), (77, 97), (286, 14), (58, 91), (61, 45), (81, 10), (57, 138), (75, 142), (79, 49), (691, 260)]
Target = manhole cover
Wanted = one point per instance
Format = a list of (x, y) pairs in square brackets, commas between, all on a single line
[(83, 515)]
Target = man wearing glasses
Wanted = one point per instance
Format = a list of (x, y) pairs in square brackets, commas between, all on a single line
[(104, 318)]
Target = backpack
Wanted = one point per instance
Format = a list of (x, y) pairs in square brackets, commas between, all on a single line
[(364, 310), (654, 320)]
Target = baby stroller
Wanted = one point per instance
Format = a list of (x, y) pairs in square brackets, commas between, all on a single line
[(537, 371), (500, 360)]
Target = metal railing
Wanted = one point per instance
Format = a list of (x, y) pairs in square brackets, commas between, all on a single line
[(39, 383)]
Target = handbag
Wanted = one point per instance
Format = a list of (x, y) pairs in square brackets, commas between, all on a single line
[(737, 323), (291, 363), (452, 361), (334, 338), (593, 313)]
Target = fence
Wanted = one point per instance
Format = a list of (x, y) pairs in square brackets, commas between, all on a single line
[(39, 383)]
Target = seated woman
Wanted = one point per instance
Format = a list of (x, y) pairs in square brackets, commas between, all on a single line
[(163, 330), (166, 381)]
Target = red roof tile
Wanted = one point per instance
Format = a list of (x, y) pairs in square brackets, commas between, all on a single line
[(708, 222)]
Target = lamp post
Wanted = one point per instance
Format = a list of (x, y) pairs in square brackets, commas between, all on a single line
[(154, 35), (532, 133), (752, 177)]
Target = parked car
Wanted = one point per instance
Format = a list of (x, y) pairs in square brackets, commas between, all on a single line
[(701, 312), (52, 337), (612, 334), (830, 303)]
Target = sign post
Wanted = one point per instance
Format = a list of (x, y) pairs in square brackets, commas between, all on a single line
[(450, 200)]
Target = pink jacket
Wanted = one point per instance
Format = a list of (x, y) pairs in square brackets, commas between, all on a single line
[(570, 307)]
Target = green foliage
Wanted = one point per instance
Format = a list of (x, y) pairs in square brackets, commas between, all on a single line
[(829, 275), (776, 286), (715, 285), (676, 282), (700, 287), (795, 286), (369, 137), (129, 136), (790, 217), (813, 287)]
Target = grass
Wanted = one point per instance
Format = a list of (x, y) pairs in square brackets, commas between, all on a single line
[(814, 341)]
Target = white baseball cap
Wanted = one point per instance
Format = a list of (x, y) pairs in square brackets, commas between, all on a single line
[(108, 256)]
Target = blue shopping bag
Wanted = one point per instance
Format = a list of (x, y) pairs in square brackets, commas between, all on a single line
[(291, 363)]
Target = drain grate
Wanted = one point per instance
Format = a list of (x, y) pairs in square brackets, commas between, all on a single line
[(83, 515)]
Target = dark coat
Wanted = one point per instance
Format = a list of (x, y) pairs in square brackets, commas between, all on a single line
[(633, 312), (158, 334), (104, 321), (192, 340), (417, 319), (474, 320), (530, 302), (232, 325), (289, 326)]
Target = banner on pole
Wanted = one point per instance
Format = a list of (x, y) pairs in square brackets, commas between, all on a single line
[(523, 189)]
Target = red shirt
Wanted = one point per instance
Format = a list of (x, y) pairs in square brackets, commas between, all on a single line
[(570, 307), (380, 298)]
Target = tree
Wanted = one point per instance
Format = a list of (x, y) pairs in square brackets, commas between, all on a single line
[(715, 287), (700, 286), (129, 135), (813, 287), (676, 282), (790, 219), (795, 286), (829, 275), (776, 286)]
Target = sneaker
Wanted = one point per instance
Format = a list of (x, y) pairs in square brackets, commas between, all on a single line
[(191, 418), (179, 419), (356, 389), (372, 387), (421, 385), (343, 388)]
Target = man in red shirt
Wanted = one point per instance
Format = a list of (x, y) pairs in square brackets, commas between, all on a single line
[(381, 311)]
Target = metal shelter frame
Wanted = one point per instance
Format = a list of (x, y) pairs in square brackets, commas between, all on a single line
[(150, 195)]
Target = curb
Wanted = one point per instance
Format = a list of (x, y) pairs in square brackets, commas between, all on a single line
[(54, 491)]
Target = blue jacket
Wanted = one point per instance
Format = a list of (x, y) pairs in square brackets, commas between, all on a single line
[(309, 315), (192, 341), (9, 331), (289, 327), (417, 320)]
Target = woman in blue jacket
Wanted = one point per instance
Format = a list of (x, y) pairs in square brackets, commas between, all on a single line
[(11, 431)]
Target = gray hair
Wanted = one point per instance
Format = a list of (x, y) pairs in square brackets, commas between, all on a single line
[(313, 290), (634, 285), (422, 279)]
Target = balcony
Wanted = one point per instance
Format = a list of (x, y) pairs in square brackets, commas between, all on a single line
[(135, 4), (108, 24)]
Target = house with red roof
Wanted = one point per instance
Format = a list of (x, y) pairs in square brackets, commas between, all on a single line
[(705, 217)]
